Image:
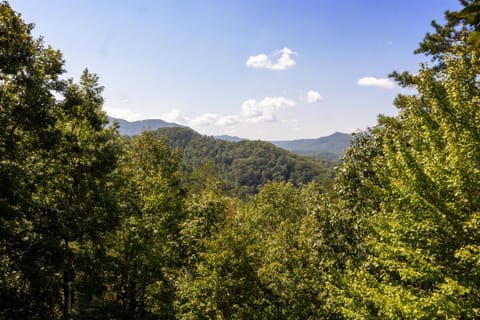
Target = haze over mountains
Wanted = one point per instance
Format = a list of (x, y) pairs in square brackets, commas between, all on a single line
[(132, 128), (329, 148)]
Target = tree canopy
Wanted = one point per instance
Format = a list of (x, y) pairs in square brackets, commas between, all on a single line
[(244, 167), (93, 226)]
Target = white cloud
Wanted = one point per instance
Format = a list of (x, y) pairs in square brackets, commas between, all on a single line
[(285, 61), (206, 119), (252, 111), (384, 83), (312, 96), (264, 110), (122, 113), (262, 61), (228, 120), (174, 115)]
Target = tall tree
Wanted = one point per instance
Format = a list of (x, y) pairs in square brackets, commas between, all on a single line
[(29, 74), (56, 164), (420, 185), (79, 192), (147, 243)]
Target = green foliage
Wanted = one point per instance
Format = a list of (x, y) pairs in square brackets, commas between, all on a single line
[(217, 281), (26, 123), (278, 257), (461, 28), (245, 166), (92, 227), (415, 183), (79, 193), (145, 247), (56, 164), (329, 148)]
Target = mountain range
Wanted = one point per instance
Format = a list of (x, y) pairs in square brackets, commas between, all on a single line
[(329, 148)]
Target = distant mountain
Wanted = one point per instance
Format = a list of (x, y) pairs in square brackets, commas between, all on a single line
[(136, 127), (330, 148), (229, 138), (245, 166)]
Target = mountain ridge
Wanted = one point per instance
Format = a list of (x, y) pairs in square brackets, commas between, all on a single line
[(329, 147), (132, 128)]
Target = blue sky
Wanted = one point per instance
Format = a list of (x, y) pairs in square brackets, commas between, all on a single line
[(257, 69)]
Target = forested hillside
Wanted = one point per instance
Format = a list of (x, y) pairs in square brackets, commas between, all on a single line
[(94, 226), (244, 167), (330, 148)]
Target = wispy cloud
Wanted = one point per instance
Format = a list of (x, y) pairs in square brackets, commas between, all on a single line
[(384, 83), (262, 61), (312, 96)]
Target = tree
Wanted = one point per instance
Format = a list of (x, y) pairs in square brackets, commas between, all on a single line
[(146, 246), (419, 199), (29, 74), (277, 257), (461, 27), (56, 172), (222, 283), (79, 191), (413, 183)]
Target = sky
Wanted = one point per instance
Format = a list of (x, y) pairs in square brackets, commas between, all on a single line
[(257, 69)]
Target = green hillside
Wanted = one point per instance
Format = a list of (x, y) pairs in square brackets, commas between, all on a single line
[(245, 166), (95, 225), (331, 147)]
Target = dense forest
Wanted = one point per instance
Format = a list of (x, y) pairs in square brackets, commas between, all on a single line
[(330, 148), (94, 226), (244, 167)]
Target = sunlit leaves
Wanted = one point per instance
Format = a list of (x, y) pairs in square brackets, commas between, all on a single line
[(420, 201)]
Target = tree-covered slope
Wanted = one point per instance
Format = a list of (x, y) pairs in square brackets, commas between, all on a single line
[(96, 227), (245, 166), (331, 147)]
